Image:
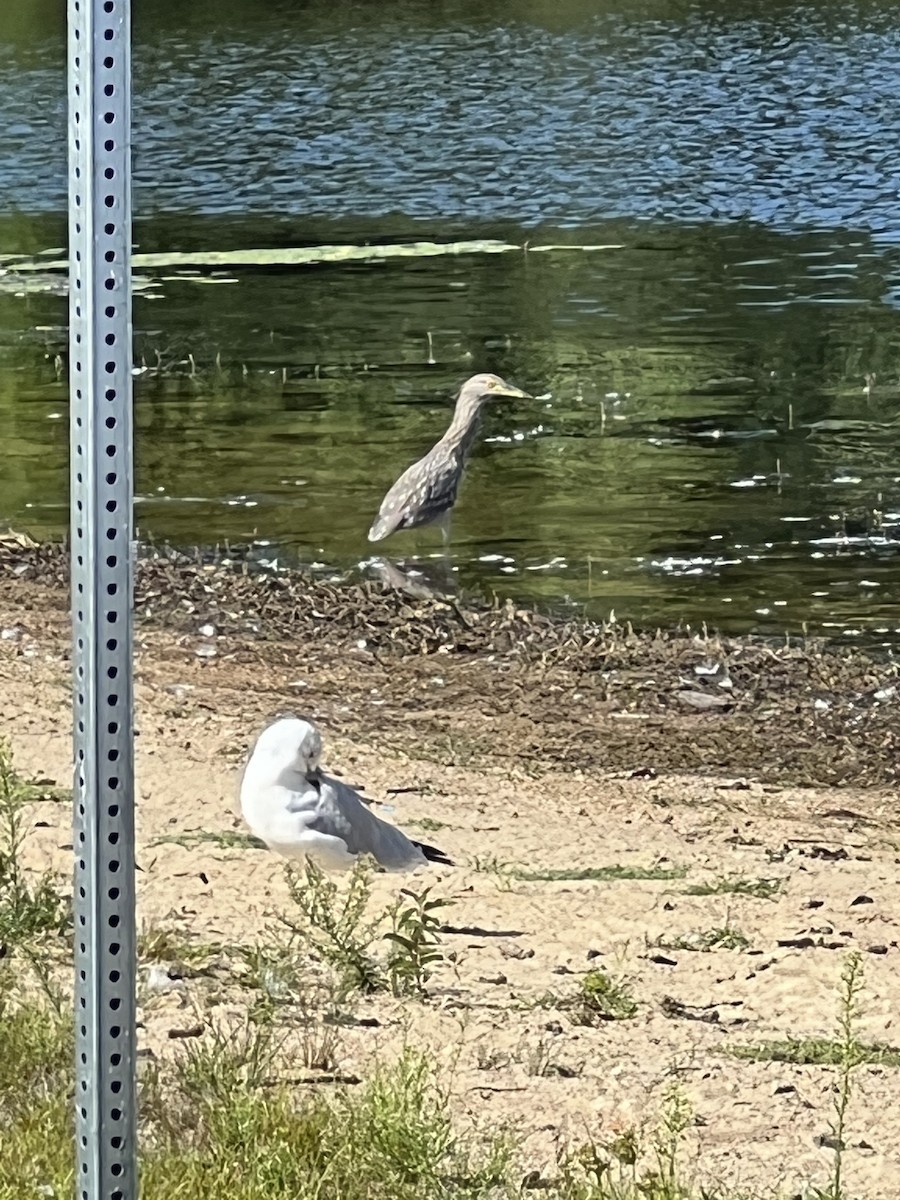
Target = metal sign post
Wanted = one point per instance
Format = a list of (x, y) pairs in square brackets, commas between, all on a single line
[(102, 475)]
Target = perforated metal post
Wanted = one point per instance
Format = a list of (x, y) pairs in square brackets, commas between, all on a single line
[(102, 555)]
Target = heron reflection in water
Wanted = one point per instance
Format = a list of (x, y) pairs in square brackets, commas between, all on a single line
[(426, 492)]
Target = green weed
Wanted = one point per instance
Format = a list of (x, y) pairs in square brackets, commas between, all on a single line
[(598, 874), (338, 929), (760, 889), (415, 941), (31, 909), (722, 938)]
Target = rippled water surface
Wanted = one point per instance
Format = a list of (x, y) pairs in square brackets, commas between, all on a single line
[(715, 430)]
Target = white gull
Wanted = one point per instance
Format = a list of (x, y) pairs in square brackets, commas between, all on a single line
[(298, 811)]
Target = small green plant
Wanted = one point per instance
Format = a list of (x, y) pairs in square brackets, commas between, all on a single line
[(158, 944), (273, 968), (722, 938), (415, 942), (35, 1089), (429, 825), (634, 1164), (676, 1118), (322, 1008), (759, 889), (227, 1059), (462, 750), (228, 839), (851, 986), (540, 1058), (337, 929), (288, 990), (503, 872), (30, 909), (845, 1052), (596, 874), (817, 1052), (601, 998)]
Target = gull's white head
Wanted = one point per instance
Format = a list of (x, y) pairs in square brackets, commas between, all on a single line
[(289, 744)]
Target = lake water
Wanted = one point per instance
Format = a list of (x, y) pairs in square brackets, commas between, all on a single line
[(715, 432)]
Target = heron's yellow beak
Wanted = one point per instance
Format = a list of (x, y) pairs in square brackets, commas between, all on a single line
[(514, 393)]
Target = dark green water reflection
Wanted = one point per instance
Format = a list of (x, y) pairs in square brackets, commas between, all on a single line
[(703, 447)]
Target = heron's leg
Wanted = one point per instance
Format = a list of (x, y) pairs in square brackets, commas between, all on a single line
[(444, 523)]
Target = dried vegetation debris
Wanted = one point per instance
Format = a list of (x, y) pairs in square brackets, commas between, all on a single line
[(580, 692)]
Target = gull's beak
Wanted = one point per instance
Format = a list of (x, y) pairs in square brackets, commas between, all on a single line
[(514, 393), (315, 777)]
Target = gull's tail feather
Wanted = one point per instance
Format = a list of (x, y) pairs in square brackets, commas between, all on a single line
[(434, 855)]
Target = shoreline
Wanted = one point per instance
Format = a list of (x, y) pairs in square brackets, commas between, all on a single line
[(512, 682)]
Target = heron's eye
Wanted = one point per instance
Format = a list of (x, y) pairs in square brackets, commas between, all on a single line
[(491, 383)]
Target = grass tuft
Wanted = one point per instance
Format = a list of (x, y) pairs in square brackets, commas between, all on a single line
[(225, 1118), (337, 929), (227, 839), (597, 874), (415, 941), (31, 908), (341, 932), (602, 998), (760, 889), (819, 1052), (723, 938)]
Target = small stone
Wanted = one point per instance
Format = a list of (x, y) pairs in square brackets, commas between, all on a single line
[(879, 949), (862, 900), (159, 980), (511, 950), (829, 853), (827, 1141), (194, 1031), (643, 773), (592, 954)]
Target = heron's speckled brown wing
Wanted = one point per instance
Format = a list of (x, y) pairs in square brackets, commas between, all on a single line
[(422, 494)]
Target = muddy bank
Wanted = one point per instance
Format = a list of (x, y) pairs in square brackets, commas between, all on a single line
[(500, 682)]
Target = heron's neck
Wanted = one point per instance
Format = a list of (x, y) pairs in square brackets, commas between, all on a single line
[(463, 428)]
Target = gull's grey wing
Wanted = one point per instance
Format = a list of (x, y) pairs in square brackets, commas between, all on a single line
[(341, 813)]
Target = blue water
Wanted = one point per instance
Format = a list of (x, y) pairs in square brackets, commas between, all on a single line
[(786, 115)]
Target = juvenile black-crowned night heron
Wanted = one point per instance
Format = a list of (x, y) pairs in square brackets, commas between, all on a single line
[(426, 491)]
